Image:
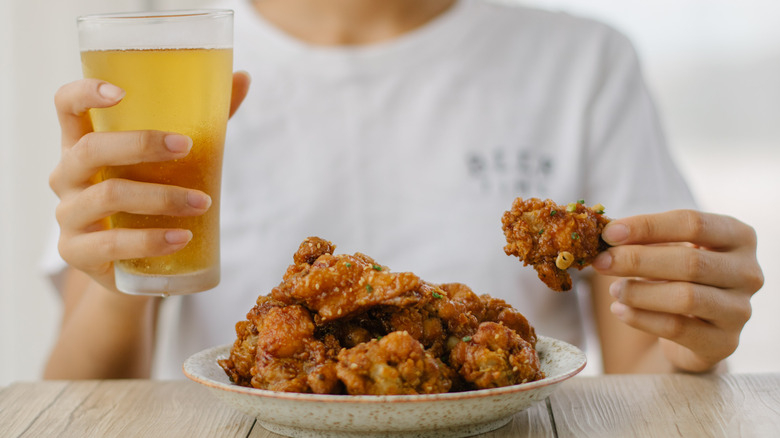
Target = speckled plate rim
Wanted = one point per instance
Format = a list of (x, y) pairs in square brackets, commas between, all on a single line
[(544, 344)]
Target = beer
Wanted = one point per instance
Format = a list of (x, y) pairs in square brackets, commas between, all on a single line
[(186, 91)]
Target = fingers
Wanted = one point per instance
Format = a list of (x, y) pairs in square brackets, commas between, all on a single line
[(705, 340), (673, 262), (73, 102), (241, 82), (704, 229), (659, 246), (114, 195), (718, 307), (96, 150), (93, 252)]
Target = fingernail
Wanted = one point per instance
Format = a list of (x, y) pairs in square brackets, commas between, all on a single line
[(178, 143), (177, 237), (198, 200), (110, 91), (603, 261), (618, 309), (615, 288), (615, 233)]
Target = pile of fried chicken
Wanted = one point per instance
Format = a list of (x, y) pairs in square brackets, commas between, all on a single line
[(344, 324)]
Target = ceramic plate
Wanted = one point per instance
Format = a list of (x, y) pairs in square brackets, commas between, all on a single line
[(455, 414)]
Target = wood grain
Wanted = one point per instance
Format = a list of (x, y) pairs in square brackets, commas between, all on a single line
[(532, 422), (605, 406), (668, 406), (136, 408), (22, 403)]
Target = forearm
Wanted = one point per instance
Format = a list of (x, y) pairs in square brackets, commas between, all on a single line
[(104, 335), (624, 349)]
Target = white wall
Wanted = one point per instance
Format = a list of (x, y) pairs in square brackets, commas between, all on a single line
[(713, 66), (6, 134)]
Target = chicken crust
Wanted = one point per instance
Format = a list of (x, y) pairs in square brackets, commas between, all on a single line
[(495, 356), (397, 364), (338, 286), (553, 237)]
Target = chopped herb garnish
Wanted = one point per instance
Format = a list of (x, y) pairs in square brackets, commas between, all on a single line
[(553, 213), (369, 288), (581, 201), (575, 235), (376, 267), (348, 264), (437, 295), (541, 231), (466, 338)]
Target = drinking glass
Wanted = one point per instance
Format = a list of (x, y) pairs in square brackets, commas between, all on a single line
[(176, 70)]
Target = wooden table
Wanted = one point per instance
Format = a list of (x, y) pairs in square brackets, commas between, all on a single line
[(609, 406)]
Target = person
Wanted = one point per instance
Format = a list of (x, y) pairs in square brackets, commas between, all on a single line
[(403, 129)]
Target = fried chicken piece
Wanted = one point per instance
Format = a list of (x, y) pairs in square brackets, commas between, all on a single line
[(242, 355), (488, 309), (464, 295), (396, 364), (350, 332), (238, 366), (311, 249), (456, 318), (422, 325), (553, 238), (338, 286), (425, 327), (289, 358), (415, 317), (498, 310), (495, 356)]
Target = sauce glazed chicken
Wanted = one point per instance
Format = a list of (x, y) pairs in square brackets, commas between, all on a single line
[(344, 324), (553, 238)]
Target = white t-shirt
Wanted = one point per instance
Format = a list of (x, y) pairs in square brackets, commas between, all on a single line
[(411, 150)]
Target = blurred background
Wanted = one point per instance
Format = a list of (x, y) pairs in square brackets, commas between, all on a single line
[(712, 65)]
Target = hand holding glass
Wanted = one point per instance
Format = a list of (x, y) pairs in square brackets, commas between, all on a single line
[(176, 70)]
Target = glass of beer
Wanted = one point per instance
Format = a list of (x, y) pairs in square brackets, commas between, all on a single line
[(176, 70)]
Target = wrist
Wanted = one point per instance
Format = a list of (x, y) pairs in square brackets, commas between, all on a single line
[(120, 303), (685, 360)]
